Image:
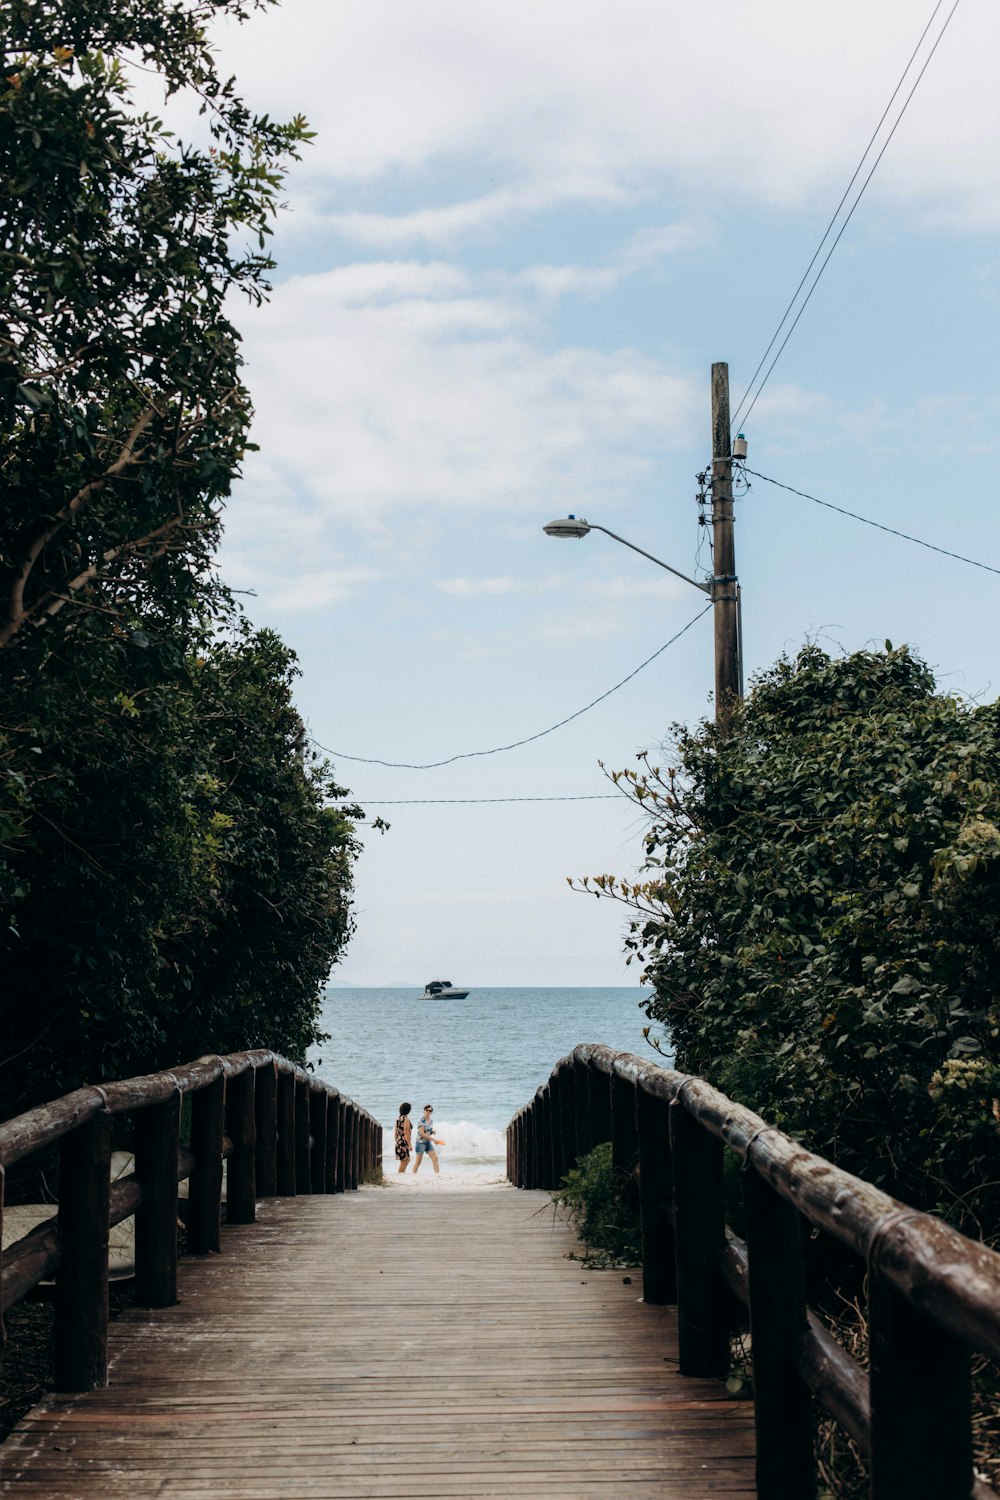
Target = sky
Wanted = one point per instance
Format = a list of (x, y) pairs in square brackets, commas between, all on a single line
[(522, 235)]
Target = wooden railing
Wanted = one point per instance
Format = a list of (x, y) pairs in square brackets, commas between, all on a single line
[(933, 1295), (280, 1129)]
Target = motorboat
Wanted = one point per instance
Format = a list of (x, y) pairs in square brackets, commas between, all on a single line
[(443, 989)]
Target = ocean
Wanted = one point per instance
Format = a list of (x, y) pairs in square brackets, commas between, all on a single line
[(476, 1060)]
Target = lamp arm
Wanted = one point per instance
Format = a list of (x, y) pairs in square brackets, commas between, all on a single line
[(706, 588)]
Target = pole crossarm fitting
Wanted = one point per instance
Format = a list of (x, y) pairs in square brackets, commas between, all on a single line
[(574, 526), (717, 586)]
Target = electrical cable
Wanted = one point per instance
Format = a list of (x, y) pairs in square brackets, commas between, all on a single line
[(906, 537), (468, 801), (431, 765), (745, 415), (833, 216)]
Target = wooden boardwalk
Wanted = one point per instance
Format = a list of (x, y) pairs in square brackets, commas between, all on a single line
[(395, 1342)]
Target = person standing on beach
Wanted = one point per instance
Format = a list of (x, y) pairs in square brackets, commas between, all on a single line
[(404, 1132), (425, 1139)]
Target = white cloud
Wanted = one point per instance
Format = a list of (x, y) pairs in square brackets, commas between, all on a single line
[(392, 280), (937, 423), (444, 225), (614, 96), (649, 246), (468, 588), (315, 590), (641, 587), (645, 249), (453, 402)]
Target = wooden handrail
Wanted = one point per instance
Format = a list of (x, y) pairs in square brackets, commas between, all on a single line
[(234, 1118), (933, 1294)]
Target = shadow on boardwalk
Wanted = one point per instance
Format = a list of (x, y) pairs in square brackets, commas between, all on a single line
[(389, 1344)]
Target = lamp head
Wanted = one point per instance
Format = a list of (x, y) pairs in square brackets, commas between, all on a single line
[(569, 526)]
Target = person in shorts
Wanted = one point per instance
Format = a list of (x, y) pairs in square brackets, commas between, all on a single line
[(425, 1139)]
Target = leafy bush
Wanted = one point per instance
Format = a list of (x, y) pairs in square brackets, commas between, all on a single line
[(177, 874), (601, 1204), (821, 919)]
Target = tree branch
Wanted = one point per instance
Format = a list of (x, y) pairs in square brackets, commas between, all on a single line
[(17, 613), (50, 604)]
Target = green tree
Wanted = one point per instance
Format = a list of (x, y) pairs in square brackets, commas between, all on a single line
[(183, 882), (175, 868), (821, 915), (122, 410)]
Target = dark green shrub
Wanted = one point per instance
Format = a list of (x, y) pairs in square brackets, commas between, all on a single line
[(600, 1201), (821, 919)]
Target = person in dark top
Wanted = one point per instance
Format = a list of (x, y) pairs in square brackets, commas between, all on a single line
[(404, 1132)]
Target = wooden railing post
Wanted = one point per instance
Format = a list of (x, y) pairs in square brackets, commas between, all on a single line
[(359, 1136), (700, 1228), (585, 1141), (241, 1176), (567, 1115), (285, 1171), (545, 1112), (266, 1124), (3, 1188), (528, 1146), (624, 1140), (332, 1140), (318, 1106), (782, 1406), (302, 1168), (205, 1182), (921, 1393), (656, 1190), (599, 1095), (538, 1168), (157, 1139), (364, 1139), (342, 1116), (81, 1302), (351, 1157), (556, 1127), (538, 1144)]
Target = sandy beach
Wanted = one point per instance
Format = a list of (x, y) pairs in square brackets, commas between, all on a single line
[(460, 1180)]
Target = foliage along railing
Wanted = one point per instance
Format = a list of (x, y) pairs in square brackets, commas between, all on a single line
[(933, 1294), (280, 1129)]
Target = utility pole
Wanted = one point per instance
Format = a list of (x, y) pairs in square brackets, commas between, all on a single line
[(725, 586)]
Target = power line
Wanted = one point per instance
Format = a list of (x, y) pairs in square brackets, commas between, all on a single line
[(431, 765), (850, 215), (905, 535), (833, 216), (468, 801)]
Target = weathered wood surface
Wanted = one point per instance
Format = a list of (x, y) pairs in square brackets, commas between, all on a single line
[(389, 1343)]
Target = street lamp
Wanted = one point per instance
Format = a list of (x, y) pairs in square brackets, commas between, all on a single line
[(576, 526), (722, 586)]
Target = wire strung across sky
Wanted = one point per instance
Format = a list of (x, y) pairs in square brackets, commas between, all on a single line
[(737, 417), (431, 765), (468, 801), (918, 541)]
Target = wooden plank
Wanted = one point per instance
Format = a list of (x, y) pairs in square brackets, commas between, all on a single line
[(393, 1341)]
